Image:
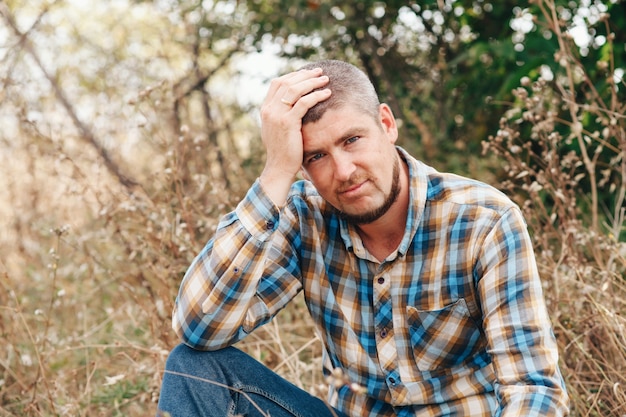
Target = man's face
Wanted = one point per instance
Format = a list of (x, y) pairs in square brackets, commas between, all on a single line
[(351, 159)]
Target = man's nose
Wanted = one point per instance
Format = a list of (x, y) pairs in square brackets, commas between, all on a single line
[(344, 167)]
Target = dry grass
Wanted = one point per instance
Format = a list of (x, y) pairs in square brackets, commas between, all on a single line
[(90, 269)]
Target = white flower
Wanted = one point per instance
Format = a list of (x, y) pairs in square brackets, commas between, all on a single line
[(112, 380), (26, 360)]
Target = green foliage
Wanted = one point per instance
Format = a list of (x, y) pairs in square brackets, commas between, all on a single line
[(437, 67), (446, 71)]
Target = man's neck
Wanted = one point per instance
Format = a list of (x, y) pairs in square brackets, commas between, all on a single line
[(383, 236)]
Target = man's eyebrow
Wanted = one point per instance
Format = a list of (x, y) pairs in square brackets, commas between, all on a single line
[(349, 133)]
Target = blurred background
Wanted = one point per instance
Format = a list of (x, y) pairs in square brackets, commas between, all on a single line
[(127, 128)]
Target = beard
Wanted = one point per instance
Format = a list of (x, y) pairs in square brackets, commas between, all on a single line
[(376, 213)]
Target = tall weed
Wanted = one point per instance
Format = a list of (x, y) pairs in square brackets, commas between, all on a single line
[(563, 145)]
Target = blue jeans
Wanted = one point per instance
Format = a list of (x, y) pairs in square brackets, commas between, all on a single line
[(228, 382)]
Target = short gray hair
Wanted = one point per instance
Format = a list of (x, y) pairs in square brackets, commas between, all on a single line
[(349, 85)]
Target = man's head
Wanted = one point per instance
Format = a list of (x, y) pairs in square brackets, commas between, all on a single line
[(349, 149), (349, 85)]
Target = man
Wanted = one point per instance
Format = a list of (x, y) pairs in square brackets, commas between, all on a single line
[(422, 285)]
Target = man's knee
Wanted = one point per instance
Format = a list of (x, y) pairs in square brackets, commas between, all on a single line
[(183, 359), (194, 382)]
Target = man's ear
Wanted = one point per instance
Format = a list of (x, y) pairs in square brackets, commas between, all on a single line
[(388, 122)]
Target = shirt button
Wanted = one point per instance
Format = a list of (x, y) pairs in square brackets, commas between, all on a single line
[(269, 225), (383, 333), (381, 280), (392, 380)]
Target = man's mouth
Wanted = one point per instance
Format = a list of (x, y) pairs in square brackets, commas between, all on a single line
[(352, 188)]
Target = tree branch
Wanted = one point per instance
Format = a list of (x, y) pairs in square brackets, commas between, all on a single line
[(85, 132)]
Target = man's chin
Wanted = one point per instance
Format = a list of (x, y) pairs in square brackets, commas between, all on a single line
[(365, 217)]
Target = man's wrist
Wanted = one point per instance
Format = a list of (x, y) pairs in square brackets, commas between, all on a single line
[(276, 186)]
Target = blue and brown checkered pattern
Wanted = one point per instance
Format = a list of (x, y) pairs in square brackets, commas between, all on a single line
[(451, 324)]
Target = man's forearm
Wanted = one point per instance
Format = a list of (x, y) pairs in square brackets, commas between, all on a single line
[(218, 304)]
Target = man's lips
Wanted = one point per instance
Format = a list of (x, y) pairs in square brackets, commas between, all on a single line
[(351, 189)]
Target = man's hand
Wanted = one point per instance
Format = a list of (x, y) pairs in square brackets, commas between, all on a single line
[(287, 101)]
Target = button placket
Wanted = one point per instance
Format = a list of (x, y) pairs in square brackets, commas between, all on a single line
[(382, 306), (385, 343), (383, 322)]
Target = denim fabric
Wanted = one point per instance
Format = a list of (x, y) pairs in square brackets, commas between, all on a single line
[(228, 382)]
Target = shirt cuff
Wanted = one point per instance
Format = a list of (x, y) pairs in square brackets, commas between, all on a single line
[(257, 213)]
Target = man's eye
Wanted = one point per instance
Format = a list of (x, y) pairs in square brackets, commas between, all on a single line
[(315, 157), (352, 139)]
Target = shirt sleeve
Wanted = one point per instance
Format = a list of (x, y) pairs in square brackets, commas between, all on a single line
[(234, 286), (519, 333)]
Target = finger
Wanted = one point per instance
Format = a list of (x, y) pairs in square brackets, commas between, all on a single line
[(296, 90), (286, 101), (307, 101), (287, 79), (289, 87)]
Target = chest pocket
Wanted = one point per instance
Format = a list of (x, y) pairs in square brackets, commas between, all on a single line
[(444, 338)]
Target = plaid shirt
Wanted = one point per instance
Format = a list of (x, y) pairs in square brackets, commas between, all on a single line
[(452, 323)]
